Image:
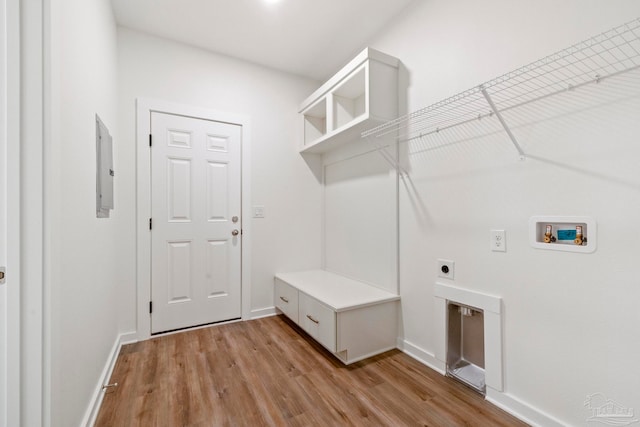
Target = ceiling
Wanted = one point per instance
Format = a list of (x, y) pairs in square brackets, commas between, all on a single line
[(311, 38)]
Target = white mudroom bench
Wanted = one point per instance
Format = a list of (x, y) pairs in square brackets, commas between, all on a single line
[(351, 319)]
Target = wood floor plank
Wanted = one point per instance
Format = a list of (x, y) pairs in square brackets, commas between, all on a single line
[(268, 372)]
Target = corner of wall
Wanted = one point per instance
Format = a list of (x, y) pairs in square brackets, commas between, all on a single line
[(91, 413), (421, 355), (522, 410)]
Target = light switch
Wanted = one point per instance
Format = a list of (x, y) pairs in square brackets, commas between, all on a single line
[(258, 211)]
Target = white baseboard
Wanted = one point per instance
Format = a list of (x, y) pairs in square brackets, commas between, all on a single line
[(263, 312), (96, 400), (422, 356), (504, 401), (519, 409)]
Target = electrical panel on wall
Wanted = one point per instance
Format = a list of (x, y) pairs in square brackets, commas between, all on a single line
[(104, 170)]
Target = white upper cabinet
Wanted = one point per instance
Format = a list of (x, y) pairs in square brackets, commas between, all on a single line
[(361, 95)]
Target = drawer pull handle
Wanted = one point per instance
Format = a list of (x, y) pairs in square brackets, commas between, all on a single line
[(284, 299), (312, 319)]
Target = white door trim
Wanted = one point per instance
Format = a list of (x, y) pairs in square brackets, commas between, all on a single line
[(29, 105), (144, 107), (10, 128)]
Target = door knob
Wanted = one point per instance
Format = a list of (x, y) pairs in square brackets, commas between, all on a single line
[(235, 232)]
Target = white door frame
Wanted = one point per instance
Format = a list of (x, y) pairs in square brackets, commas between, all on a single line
[(144, 108), (10, 182), (3, 212), (27, 105), (34, 115), (22, 63)]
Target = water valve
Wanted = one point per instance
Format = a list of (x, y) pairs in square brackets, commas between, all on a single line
[(578, 239)]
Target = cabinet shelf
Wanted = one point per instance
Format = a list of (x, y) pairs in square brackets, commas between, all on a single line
[(315, 121), (362, 94)]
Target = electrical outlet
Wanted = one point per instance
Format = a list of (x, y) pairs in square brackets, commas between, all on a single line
[(445, 268), (498, 241)]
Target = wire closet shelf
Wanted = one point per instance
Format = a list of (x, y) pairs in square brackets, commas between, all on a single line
[(611, 53)]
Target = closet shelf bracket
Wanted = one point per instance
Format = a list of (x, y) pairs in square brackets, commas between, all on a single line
[(502, 122), (388, 157)]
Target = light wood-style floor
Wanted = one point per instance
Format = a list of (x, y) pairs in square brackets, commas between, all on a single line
[(267, 372)]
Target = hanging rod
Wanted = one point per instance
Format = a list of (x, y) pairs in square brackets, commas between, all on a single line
[(608, 54)]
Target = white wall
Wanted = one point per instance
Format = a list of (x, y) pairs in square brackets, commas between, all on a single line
[(570, 325), (81, 259), (289, 237), (360, 218)]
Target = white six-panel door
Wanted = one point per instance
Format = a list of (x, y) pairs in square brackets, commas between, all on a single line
[(196, 221)]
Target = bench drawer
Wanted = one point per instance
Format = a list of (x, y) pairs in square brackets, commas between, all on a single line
[(317, 320), (286, 299)]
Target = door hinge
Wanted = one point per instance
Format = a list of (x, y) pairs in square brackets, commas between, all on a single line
[(150, 307), (150, 223), (150, 140)]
